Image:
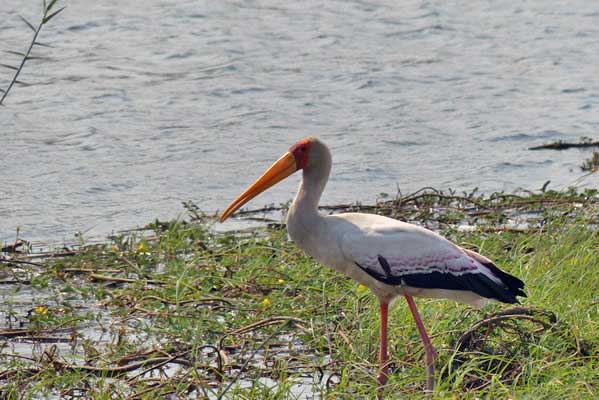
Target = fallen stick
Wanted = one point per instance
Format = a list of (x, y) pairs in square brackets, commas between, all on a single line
[(559, 145), (98, 277)]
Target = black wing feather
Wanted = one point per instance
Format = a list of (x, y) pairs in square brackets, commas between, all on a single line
[(475, 281)]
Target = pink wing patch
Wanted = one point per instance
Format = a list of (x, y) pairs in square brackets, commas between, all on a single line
[(448, 263)]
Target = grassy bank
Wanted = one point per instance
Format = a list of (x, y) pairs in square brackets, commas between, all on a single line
[(179, 310)]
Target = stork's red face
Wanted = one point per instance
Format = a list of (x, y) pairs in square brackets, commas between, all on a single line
[(300, 151), (295, 159)]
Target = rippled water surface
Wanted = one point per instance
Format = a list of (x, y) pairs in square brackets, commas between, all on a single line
[(145, 104)]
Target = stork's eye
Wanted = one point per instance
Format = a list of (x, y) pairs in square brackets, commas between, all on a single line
[(302, 149)]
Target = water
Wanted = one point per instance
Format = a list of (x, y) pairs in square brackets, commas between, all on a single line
[(145, 104)]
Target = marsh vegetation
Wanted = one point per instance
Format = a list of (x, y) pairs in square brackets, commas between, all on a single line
[(179, 310)]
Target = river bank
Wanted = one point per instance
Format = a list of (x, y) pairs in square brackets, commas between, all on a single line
[(184, 310)]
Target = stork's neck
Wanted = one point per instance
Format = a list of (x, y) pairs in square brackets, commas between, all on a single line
[(303, 213), (308, 195)]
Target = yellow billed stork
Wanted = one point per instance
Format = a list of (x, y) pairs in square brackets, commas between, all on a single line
[(390, 257)]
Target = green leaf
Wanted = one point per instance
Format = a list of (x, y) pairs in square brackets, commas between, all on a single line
[(17, 53), (9, 66), (50, 6), (49, 17), (28, 24), (41, 44)]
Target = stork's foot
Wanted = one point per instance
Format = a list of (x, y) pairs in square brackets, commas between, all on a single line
[(381, 378)]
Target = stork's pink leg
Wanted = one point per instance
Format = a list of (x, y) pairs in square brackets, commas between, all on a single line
[(384, 358), (431, 354)]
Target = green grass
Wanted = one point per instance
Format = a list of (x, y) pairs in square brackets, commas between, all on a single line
[(249, 316)]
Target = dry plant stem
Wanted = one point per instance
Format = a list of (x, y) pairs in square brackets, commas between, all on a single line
[(347, 340), (90, 270), (265, 322), (513, 314), (121, 370), (14, 262), (98, 277), (153, 367), (31, 334)]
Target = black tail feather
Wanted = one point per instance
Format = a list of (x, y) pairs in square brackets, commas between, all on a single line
[(513, 284)]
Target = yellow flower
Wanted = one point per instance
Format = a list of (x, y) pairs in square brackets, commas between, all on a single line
[(265, 303), (362, 288), (41, 310), (115, 248), (142, 247), (280, 281)]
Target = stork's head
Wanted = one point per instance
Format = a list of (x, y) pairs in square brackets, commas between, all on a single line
[(301, 155)]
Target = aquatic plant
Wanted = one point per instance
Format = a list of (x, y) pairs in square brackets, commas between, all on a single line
[(591, 164), (49, 12)]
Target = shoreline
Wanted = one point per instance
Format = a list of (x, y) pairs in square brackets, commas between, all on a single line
[(248, 217)]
